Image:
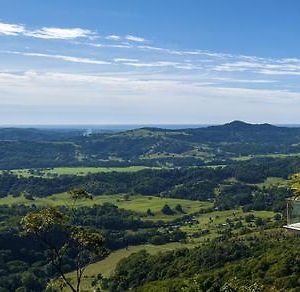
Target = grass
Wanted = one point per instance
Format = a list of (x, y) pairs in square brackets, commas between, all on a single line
[(213, 221), (277, 155), (216, 221), (135, 203), (107, 266), (273, 181), (80, 171)]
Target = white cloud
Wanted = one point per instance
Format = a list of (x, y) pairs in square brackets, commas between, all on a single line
[(11, 29), (135, 39), (61, 57), (281, 72), (122, 60), (118, 46), (123, 87), (60, 33), (113, 37), (263, 66), (45, 32), (128, 99), (152, 64), (236, 80)]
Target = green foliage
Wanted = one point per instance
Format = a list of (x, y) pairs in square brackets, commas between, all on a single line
[(79, 194), (43, 221), (167, 210), (47, 224), (234, 255), (26, 148), (266, 262)]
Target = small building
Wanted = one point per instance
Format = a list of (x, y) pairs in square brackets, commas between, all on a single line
[(293, 214)]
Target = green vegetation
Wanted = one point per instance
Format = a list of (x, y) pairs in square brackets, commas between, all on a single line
[(213, 224), (273, 181), (275, 155), (176, 209), (107, 266), (139, 204), (30, 148), (56, 171), (82, 244), (264, 262)]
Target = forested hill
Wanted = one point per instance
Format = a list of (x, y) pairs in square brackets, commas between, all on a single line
[(238, 131), (32, 134), (28, 148)]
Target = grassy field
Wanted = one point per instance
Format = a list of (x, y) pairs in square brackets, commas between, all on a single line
[(217, 221), (51, 172), (273, 181), (107, 266), (279, 155), (135, 203), (214, 222)]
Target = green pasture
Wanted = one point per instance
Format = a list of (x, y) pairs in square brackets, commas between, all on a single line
[(271, 155), (273, 181), (211, 221), (80, 171), (135, 203), (107, 266), (218, 220)]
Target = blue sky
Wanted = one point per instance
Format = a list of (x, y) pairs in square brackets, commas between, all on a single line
[(138, 61)]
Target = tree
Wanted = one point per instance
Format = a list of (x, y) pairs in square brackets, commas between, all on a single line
[(126, 197), (167, 210), (249, 218), (149, 212), (78, 194), (179, 208), (61, 238), (259, 221)]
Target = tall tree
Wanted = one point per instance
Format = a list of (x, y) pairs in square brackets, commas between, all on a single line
[(62, 239)]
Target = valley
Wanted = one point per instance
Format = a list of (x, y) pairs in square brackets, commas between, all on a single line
[(150, 192)]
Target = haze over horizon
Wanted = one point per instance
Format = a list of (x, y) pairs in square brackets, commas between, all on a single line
[(148, 62)]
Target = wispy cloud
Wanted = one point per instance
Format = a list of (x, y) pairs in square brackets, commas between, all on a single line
[(263, 66), (108, 97), (127, 69), (11, 29), (133, 38), (113, 37), (61, 57), (152, 64), (60, 33), (142, 87), (124, 60), (237, 80), (45, 32)]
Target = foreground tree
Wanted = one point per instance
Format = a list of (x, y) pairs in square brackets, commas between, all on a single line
[(62, 239)]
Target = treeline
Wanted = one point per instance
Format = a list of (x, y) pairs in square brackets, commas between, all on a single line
[(196, 183), (145, 182), (30, 154)]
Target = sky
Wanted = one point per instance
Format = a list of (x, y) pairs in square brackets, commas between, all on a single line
[(149, 61)]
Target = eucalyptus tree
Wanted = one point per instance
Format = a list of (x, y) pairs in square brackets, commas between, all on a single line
[(63, 239)]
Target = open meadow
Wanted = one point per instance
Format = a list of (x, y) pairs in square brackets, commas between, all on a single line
[(57, 171), (136, 203)]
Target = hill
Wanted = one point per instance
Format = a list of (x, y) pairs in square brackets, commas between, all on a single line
[(213, 145)]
